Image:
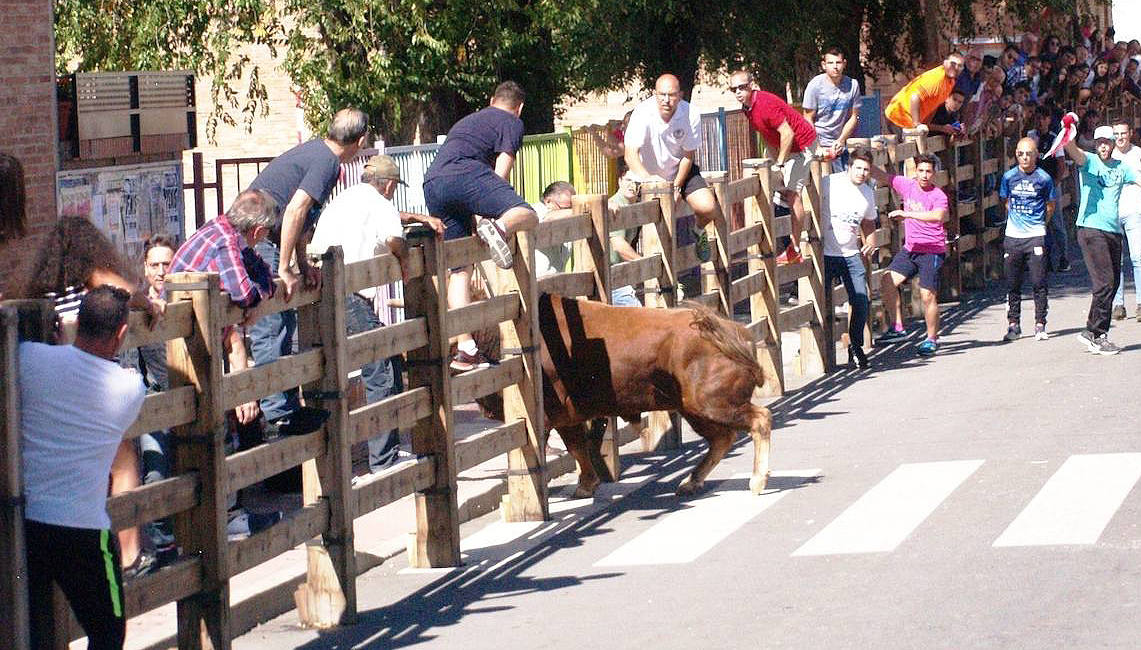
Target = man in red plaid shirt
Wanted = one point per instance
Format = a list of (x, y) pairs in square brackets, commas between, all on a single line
[(225, 246)]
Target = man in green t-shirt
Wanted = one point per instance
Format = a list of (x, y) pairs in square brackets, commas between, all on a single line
[(622, 241)]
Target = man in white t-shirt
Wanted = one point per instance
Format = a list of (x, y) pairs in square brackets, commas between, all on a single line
[(849, 208), (363, 221), (1129, 213), (661, 143), (76, 403)]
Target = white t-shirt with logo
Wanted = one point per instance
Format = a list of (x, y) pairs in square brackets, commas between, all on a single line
[(361, 221), (1129, 205), (663, 144), (845, 205)]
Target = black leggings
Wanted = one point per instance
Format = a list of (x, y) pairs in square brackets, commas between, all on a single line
[(85, 565)]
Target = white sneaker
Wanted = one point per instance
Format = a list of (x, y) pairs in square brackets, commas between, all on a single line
[(493, 236), (1040, 332)]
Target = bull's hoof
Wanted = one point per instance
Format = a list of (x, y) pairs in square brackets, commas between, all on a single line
[(690, 487), (757, 483), (585, 490)]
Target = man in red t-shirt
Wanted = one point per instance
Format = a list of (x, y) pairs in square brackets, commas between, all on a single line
[(792, 137)]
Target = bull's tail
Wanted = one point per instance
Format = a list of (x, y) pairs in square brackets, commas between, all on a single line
[(733, 340)]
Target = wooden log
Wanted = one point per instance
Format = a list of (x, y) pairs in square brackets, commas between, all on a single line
[(394, 483), (485, 313), (163, 411), (378, 344), (744, 288), (639, 214), (300, 526), (437, 539), (461, 252), (739, 190), (570, 285), (468, 386), (201, 531), (786, 273), (153, 501), (13, 565), (742, 239), (398, 411), (650, 267), (554, 232), (176, 581), (232, 313), (489, 443), (249, 384), (798, 315), (381, 270), (764, 306), (245, 468), (817, 347), (177, 321)]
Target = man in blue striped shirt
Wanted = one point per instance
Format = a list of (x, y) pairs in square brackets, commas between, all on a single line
[(1029, 195)]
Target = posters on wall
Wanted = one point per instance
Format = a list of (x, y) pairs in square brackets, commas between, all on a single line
[(128, 203)]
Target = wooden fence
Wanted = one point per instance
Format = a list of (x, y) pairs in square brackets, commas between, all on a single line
[(741, 279)]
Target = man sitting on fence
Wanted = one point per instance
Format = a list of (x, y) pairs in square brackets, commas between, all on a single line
[(848, 206), (662, 140), (925, 208), (790, 140), (1029, 195), (918, 100), (75, 405), (555, 203), (470, 176), (363, 221)]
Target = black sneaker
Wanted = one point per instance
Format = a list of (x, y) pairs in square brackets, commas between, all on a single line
[(1103, 346), (464, 362), (1119, 312), (298, 423), (1064, 266), (1087, 339), (1013, 333), (857, 355), (143, 564), (892, 335)]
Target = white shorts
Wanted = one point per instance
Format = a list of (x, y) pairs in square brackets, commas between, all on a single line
[(795, 173)]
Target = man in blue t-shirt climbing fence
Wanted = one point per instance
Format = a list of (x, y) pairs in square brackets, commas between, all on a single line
[(469, 180), (1029, 195), (1099, 229)]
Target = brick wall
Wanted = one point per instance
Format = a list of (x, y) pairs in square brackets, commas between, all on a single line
[(27, 117)]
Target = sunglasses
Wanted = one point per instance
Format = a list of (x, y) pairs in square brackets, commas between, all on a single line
[(740, 88)]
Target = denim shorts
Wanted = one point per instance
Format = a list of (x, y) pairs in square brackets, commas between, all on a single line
[(926, 265), (456, 199)]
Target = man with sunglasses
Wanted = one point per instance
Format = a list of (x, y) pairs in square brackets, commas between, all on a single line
[(1099, 229), (790, 140), (1029, 195)]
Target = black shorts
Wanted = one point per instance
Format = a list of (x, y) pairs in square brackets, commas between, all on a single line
[(926, 265), (455, 199), (693, 181)]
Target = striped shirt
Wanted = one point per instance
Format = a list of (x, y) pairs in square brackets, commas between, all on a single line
[(216, 247)]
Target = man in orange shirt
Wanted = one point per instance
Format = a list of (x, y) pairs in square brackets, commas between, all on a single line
[(916, 102)]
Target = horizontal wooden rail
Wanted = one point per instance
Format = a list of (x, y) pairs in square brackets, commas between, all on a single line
[(632, 216), (742, 239), (798, 315), (153, 501), (489, 443), (635, 271), (298, 527), (176, 322), (375, 345), (248, 467), (398, 411), (485, 313), (739, 190), (554, 232), (576, 284), (396, 482), (465, 252), (235, 314), (173, 582), (745, 287), (257, 382), (759, 329), (164, 411), (382, 270), (791, 272), (473, 384)]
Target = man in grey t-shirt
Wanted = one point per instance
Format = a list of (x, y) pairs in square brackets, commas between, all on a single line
[(832, 104)]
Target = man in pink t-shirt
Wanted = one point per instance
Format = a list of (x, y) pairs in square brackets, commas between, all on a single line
[(791, 137), (924, 211)]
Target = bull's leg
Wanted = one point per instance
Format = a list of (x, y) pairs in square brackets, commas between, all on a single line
[(761, 433), (587, 456), (720, 440)]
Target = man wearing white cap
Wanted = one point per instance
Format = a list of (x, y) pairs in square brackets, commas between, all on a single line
[(363, 221), (1099, 229)]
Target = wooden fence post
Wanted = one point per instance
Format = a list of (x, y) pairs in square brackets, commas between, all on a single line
[(328, 597), (817, 339), (204, 618), (715, 272), (599, 246), (526, 498), (762, 256), (663, 430), (437, 539)]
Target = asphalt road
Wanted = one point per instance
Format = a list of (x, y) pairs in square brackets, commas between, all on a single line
[(983, 498)]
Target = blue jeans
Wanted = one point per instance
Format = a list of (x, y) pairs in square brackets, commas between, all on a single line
[(273, 337), (851, 272), (624, 297), (1131, 252), (381, 378)]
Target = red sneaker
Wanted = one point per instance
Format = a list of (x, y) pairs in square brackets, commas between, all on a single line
[(790, 256)]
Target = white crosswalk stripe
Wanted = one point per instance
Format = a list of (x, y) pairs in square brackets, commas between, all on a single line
[(1077, 502), (685, 535), (887, 514)]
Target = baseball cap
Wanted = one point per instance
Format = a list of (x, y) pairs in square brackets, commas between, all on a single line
[(1103, 133), (383, 166)]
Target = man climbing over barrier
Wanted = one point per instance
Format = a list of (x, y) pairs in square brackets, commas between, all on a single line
[(469, 177), (1029, 195), (793, 140), (925, 209), (916, 102), (661, 145)]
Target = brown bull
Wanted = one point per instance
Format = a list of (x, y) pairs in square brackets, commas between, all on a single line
[(600, 361)]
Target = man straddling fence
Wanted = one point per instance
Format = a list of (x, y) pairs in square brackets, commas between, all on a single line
[(469, 177), (792, 137), (832, 104), (300, 180), (75, 405), (924, 211), (661, 142), (916, 102), (363, 221), (848, 205), (1099, 229), (1029, 196)]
